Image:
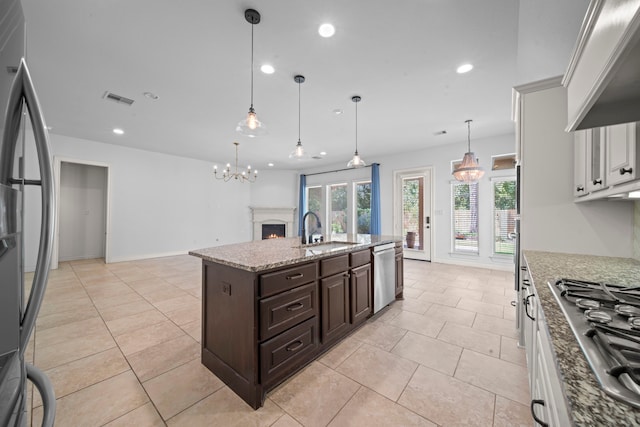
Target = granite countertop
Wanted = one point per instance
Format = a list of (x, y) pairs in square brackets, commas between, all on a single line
[(588, 404), (263, 255)]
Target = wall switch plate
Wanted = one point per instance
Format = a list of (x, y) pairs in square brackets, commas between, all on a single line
[(226, 288)]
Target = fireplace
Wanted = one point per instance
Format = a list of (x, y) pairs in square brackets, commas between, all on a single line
[(273, 231), (278, 221)]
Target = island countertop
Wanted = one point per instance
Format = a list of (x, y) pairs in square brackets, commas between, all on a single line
[(266, 254), (588, 404)]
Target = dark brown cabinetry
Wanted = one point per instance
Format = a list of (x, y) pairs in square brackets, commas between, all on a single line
[(335, 306), (361, 298), (399, 271)]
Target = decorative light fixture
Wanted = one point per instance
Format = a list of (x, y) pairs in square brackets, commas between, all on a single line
[(247, 175), (251, 126), (298, 152), (469, 170), (356, 161)]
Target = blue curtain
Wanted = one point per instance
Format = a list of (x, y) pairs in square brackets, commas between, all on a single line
[(376, 222), (303, 202)]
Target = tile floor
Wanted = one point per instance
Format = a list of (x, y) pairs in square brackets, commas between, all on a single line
[(120, 342)]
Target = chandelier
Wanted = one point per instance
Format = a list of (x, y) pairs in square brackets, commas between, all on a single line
[(469, 170), (246, 175)]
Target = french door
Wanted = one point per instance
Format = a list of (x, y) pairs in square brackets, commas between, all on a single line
[(412, 212)]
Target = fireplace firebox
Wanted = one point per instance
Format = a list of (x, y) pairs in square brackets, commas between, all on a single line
[(273, 231)]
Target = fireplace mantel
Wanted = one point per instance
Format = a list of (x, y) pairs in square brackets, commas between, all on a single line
[(272, 215)]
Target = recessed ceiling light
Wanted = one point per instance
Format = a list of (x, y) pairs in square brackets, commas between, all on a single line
[(323, 153), (337, 111), (118, 131), (267, 69), (151, 95), (464, 68), (634, 195), (326, 30), (270, 164)]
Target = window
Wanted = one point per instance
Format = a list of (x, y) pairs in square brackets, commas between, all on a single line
[(338, 209), (504, 214), (465, 217), (412, 212), (363, 207), (314, 204)]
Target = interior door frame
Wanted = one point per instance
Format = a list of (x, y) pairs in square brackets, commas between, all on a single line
[(57, 166), (397, 204)]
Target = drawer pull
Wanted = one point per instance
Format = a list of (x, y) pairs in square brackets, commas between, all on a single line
[(623, 171), (597, 182), (295, 307), (579, 188), (295, 345), (533, 414), (295, 276)]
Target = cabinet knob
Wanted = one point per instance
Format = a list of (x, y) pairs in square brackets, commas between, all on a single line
[(623, 171), (579, 188), (597, 181)]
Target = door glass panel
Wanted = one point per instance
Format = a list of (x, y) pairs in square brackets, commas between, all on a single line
[(504, 214), (338, 209), (363, 207), (412, 212)]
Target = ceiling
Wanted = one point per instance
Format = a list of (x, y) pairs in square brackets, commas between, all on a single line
[(400, 57)]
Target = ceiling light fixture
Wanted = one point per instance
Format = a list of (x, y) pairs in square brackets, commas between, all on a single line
[(464, 68), (298, 152), (469, 170), (326, 30), (267, 69), (248, 175), (251, 126), (356, 161), (118, 131)]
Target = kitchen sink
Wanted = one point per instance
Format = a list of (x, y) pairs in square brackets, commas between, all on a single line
[(327, 247)]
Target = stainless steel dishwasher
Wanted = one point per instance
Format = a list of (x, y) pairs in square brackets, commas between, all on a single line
[(384, 275)]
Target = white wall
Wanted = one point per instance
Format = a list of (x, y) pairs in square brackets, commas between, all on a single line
[(275, 189), (160, 204)]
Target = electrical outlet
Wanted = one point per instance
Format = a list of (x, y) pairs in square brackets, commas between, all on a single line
[(226, 288)]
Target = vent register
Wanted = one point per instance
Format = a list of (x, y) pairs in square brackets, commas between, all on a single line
[(118, 98)]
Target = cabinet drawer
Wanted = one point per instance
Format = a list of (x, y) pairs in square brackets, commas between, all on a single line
[(360, 258), (283, 280), (334, 265), (285, 353), (280, 312)]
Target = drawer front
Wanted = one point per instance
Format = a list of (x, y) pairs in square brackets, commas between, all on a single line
[(360, 258), (288, 351), (334, 265), (283, 280), (280, 312)]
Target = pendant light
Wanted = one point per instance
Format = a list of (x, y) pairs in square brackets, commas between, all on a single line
[(469, 170), (251, 126), (298, 152), (356, 161)]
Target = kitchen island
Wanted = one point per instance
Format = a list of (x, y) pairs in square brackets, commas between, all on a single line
[(270, 307), (586, 403)]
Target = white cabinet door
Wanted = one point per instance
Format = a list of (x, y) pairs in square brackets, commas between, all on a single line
[(595, 160), (621, 158), (580, 163)]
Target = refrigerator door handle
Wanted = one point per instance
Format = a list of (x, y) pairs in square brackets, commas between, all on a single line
[(22, 90)]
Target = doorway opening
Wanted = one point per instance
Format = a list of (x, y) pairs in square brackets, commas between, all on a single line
[(82, 211), (412, 212)]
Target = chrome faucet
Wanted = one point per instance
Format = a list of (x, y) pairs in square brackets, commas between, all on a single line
[(304, 219)]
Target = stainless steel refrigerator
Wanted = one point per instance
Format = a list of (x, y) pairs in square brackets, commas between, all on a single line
[(18, 311)]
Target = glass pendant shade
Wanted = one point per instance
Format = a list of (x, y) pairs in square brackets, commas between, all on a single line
[(469, 170), (298, 153), (356, 161)]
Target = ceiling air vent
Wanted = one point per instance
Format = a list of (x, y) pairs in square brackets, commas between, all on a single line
[(12, 69), (117, 98)]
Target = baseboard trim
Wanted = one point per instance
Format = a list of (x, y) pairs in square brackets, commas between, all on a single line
[(115, 259), (491, 266)]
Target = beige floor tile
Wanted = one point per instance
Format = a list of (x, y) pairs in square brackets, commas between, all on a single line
[(126, 309), (511, 414), (172, 304), (132, 274), (388, 314), (498, 298), (315, 395), (47, 357), (422, 324), (65, 317), (429, 352), (116, 300), (75, 304), (110, 290), (225, 408), (381, 371), (143, 416), (510, 351), (473, 339), (81, 373), (181, 387), (495, 325), (509, 313), (160, 358), (412, 305), (165, 294), (480, 307), (340, 352), (98, 404), (194, 329), (135, 321), (465, 293), (286, 421), (450, 314), (380, 335), (149, 285), (185, 315), (439, 298), (69, 331), (429, 286), (447, 401), (369, 409), (140, 339), (498, 376), (412, 293)]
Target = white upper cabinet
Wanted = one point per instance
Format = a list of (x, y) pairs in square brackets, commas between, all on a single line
[(603, 77), (580, 163), (621, 153), (595, 157)]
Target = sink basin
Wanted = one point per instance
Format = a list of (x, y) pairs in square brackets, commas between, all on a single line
[(327, 247)]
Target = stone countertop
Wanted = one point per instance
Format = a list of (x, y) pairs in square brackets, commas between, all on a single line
[(588, 404), (261, 255)]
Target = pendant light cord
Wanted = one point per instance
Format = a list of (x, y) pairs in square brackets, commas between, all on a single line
[(356, 127), (299, 83), (468, 136), (252, 25)]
